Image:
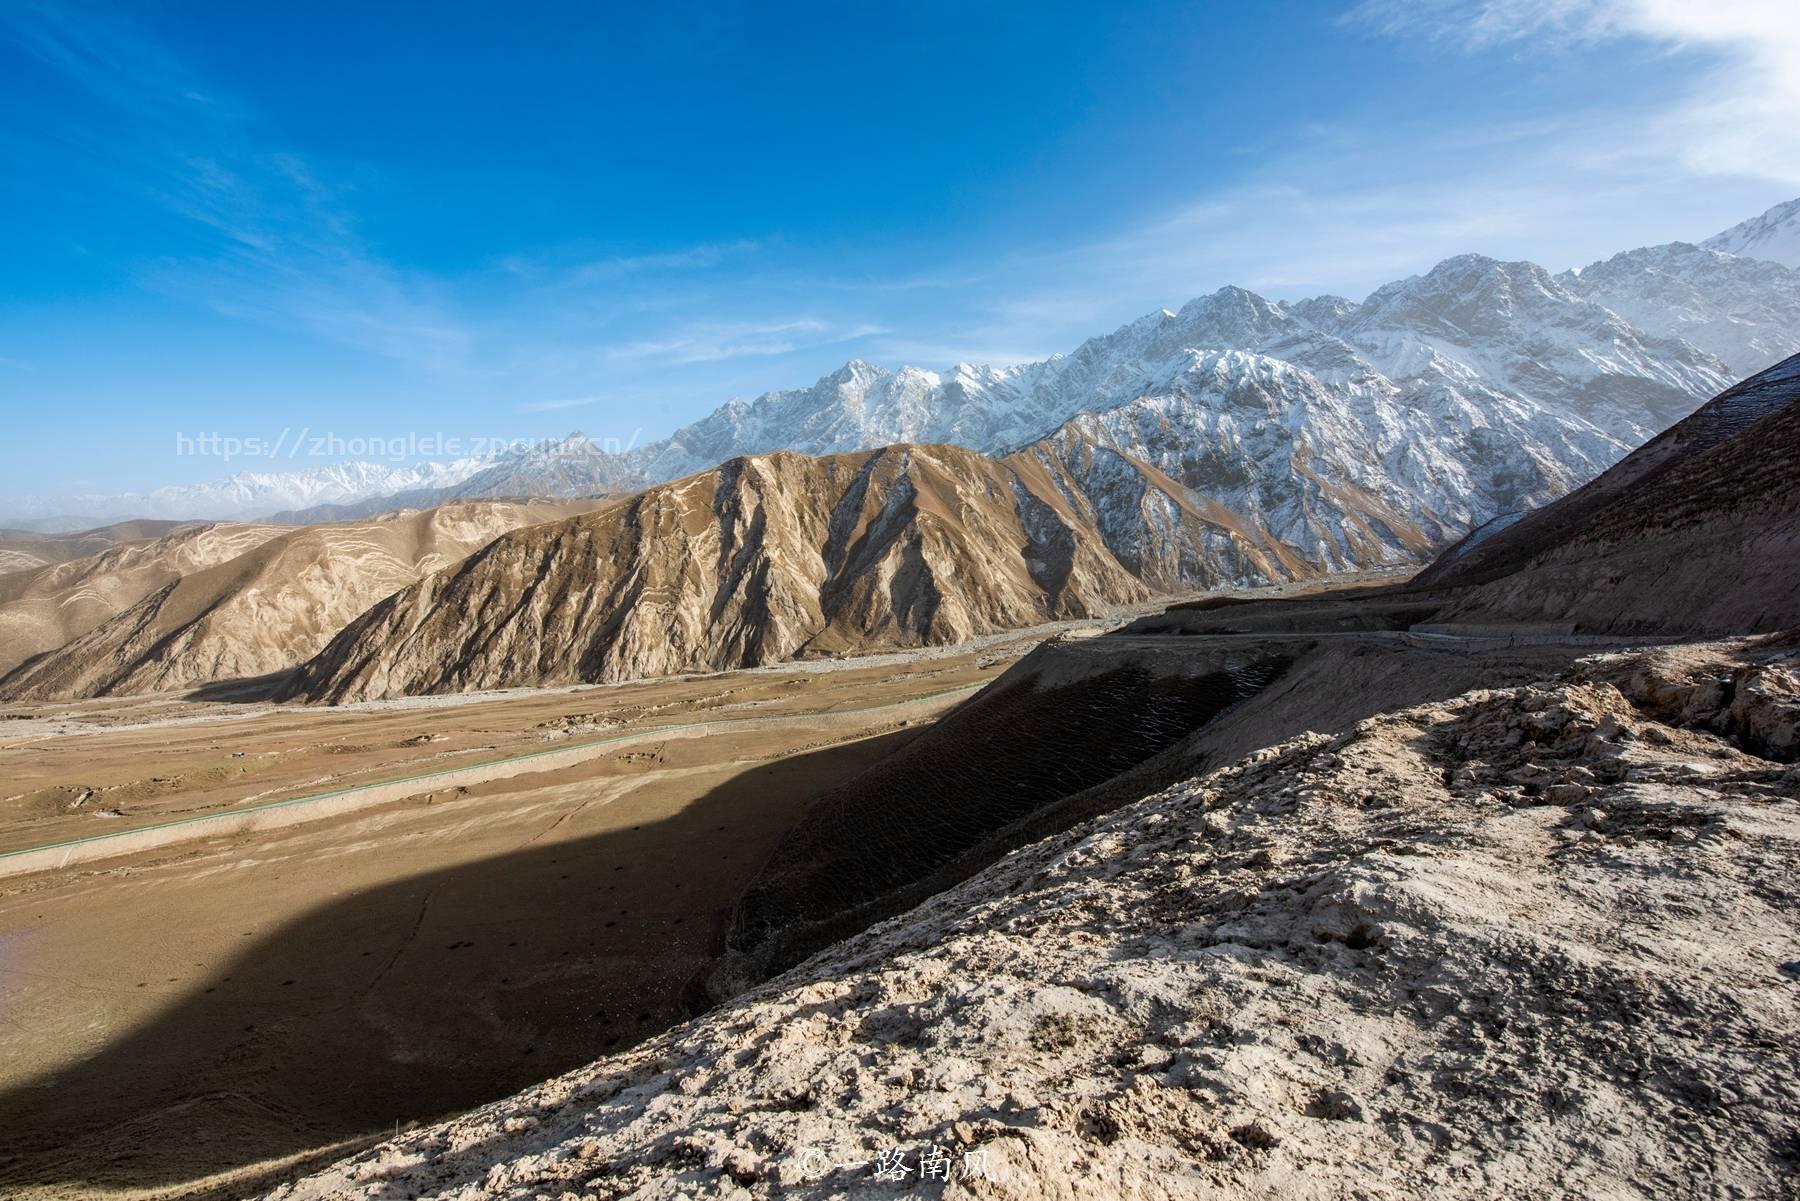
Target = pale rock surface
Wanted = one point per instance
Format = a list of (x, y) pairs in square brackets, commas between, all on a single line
[(1534, 942)]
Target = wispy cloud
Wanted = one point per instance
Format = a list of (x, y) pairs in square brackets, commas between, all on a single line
[(566, 271), (98, 51), (712, 342), (1740, 117), (557, 406), (1329, 205), (286, 249), (692, 258)]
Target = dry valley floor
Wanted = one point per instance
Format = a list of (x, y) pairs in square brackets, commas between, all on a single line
[(193, 1010)]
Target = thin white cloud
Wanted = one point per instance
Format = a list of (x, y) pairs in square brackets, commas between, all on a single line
[(287, 251), (692, 258), (556, 406), (712, 342), (1742, 116), (1327, 206), (103, 55)]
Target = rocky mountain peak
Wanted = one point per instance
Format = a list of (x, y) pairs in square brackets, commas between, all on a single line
[(1774, 236)]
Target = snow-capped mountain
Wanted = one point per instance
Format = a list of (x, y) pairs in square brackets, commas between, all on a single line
[(248, 494), (1360, 434), (1775, 236), (571, 466), (1745, 310), (1475, 326), (858, 406), (566, 467), (1345, 434), (1244, 438)]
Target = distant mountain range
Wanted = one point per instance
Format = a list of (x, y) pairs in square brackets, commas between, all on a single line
[(1348, 434), (1344, 436), (248, 495), (218, 601)]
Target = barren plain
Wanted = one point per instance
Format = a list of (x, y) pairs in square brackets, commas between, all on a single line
[(186, 1013)]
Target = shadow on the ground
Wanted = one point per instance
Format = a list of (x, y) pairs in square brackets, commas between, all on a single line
[(242, 690), (940, 811), (416, 998)]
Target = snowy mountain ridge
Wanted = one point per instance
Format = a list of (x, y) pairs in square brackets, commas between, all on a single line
[(1354, 434), (247, 494), (1774, 236)]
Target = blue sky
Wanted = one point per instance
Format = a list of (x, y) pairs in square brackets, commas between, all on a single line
[(482, 221)]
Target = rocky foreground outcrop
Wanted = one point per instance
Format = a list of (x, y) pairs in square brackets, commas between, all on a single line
[(1538, 941)]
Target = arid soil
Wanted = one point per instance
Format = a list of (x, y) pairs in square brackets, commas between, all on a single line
[(172, 1016), (1535, 941)]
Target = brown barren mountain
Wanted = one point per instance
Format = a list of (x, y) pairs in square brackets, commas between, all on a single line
[(27, 550), (263, 609), (44, 608), (761, 559), (1697, 532)]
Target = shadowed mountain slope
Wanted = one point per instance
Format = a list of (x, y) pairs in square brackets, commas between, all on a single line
[(1697, 531)]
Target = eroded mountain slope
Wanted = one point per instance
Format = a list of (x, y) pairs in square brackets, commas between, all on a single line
[(759, 560), (266, 608), (46, 607)]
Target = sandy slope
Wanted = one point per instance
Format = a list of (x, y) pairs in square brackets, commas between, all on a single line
[(1534, 942), (44, 608), (260, 600), (26, 550)]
